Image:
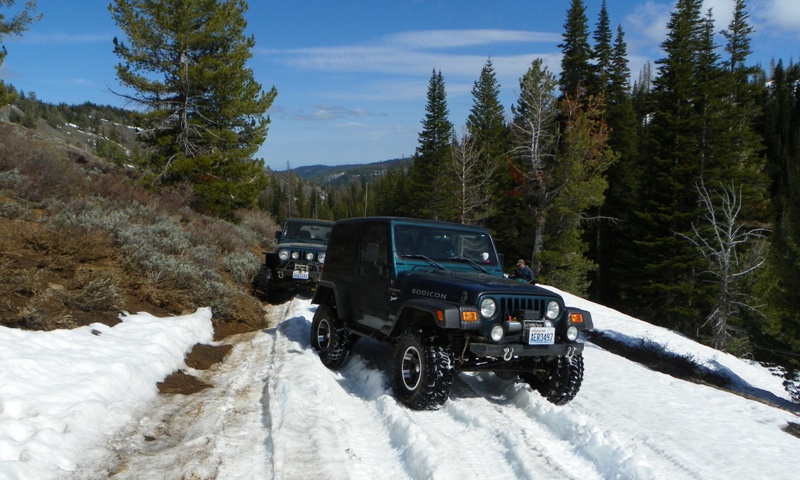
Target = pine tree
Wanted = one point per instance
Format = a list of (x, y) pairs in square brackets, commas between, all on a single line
[(558, 166), (486, 125), (662, 286), (15, 25), (185, 64), (535, 139), (612, 238), (777, 338), (428, 190), (603, 55), (576, 70)]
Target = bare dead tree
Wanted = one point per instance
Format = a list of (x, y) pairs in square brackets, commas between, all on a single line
[(473, 176), (722, 241)]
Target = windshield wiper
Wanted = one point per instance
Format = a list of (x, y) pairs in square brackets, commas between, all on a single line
[(464, 259), (426, 259)]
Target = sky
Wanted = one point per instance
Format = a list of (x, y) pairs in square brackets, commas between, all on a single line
[(82, 404), (352, 76)]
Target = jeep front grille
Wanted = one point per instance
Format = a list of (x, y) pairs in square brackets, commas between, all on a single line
[(509, 305)]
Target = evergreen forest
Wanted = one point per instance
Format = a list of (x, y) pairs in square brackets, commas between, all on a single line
[(673, 196)]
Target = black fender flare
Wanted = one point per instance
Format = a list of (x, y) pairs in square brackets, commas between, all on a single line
[(328, 293), (444, 315), (587, 323), (271, 259)]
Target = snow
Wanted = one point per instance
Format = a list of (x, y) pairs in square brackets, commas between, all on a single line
[(83, 404)]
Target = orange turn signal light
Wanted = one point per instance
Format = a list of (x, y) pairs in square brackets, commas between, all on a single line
[(576, 317), (440, 315), (469, 316)]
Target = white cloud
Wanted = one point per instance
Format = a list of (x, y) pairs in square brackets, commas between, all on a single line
[(415, 53), (433, 39), (35, 38), (781, 14), (647, 25), (722, 11)]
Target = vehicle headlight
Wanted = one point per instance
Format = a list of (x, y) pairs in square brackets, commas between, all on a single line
[(310, 256), (488, 308), (295, 255), (283, 255), (321, 257), (572, 334), (553, 310), (497, 333)]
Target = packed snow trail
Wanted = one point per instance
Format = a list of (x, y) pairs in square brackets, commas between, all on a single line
[(276, 412)]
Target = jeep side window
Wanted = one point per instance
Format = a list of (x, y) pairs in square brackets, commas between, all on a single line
[(373, 244), (341, 249)]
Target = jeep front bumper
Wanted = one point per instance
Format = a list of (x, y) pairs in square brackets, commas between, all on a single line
[(511, 350), (297, 274)]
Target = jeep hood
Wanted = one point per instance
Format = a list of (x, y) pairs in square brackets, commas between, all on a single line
[(454, 283)]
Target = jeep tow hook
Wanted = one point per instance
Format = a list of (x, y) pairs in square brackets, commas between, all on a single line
[(508, 353), (570, 352)]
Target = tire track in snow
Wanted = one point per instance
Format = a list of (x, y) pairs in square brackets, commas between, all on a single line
[(215, 433), (470, 437), (318, 429), (530, 446)]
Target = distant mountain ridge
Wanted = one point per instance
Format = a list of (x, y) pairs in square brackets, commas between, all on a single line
[(340, 175)]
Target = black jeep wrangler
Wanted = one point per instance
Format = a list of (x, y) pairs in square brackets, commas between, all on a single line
[(297, 260), (436, 291)]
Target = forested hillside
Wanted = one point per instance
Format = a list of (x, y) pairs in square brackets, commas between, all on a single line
[(673, 196)]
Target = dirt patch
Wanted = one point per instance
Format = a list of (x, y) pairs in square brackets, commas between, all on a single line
[(202, 357), (183, 383)]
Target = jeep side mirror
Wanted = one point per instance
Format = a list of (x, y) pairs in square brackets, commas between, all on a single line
[(277, 235)]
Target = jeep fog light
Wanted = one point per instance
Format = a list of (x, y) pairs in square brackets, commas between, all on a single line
[(321, 257), (295, 255), (488, 308), (497, 333), (283, 255), (553, 310), (310, 256), (572, 334)]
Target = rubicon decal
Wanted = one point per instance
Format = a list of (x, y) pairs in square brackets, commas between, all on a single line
[(429, 293)]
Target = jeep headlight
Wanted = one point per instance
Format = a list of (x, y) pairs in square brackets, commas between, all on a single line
[(553, 310), (310, 256), (295, 255), (321, 257), (488, 308), (283, 255)]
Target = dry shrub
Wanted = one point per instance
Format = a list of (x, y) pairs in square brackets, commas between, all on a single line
[(243, 309), (175, 198), (53, 176), (98, 294), (162, 296), (26, 282), (219, 233), (16, 147), (262, 224), (120, 187), (67, 241)]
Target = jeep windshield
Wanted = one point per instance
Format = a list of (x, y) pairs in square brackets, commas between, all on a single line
[(440, 244), (306, 231)]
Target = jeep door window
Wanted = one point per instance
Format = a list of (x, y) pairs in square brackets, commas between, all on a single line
[(373, 277)]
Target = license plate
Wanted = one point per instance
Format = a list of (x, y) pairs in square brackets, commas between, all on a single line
[(541, 336), (300, 274)]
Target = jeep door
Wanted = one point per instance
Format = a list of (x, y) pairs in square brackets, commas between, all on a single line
[(373, 276)]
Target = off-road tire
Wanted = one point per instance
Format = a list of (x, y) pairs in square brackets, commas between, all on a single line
[(262, 284), (423, 370), (330, 339), (561, 381)]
